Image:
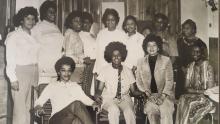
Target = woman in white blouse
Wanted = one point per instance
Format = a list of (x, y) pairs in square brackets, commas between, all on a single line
[(22, 68), (50, 39), (134, 42), (109, 34)]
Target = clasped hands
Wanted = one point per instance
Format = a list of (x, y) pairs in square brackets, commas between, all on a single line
[(156, 98)]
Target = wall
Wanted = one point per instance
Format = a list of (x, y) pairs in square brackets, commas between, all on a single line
[(22, 3)]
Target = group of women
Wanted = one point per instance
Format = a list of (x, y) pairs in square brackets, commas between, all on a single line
[(116, 58)]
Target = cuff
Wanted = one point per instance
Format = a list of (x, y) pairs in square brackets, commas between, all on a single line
[(148, 93)]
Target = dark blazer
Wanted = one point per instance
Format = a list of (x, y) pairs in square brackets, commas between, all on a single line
[(163, 74)]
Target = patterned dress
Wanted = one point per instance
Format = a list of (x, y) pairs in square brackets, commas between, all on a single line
[(73, 47), (193, 106)]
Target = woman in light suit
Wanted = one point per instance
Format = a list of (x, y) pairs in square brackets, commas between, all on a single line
[(155, 79)]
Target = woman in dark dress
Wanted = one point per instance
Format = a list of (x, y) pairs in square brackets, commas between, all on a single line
[(184, 45)]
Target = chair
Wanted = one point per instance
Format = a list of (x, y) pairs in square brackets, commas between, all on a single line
[(44, 118), (102, 115)]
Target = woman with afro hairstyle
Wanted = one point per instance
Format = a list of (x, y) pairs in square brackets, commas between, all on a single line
[(155, 78), (22, 63), (116, 80), (50, 38), (109, 34)]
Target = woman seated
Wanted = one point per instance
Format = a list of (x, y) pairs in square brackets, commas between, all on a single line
[(155, 79), (116, 80), (193, 105)]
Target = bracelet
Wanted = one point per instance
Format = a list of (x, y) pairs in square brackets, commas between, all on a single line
[(147, 93)]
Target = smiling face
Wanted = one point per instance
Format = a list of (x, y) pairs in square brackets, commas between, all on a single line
[(111, 22), (152, 48), (50, 15), (86, 25), (76, 24), (196, 53), (28, 22), (116, 57), (65, 73), (130, 26), (188, 31)]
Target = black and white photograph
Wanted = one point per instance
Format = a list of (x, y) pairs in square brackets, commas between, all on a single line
[(109, 61)]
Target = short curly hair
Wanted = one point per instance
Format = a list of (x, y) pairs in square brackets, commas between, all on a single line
[(107, 12), (64, 61), (69, 18), (203, 48), (86, 15), (191, 23), (24, 12), (111, 47), (152, 38), (129, 17), (45, 6)]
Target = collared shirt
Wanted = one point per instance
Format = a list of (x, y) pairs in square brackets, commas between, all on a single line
[(62, 94), (50, 39), (103, 39), (89, 43), (21, 49), (109, 76), (73, 47), (135, 50)]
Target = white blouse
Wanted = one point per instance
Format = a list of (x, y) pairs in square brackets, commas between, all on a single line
[(62, 94), (21, 49), (50, 39), (103, 39), (73, 47), (89, 43), (109, 76), (135, 50)]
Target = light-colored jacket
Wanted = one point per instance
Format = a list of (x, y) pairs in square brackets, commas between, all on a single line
[(163, 74)]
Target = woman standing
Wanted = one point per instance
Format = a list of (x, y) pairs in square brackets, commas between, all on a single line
[(109, 34), (134, 42), (22, 57), (50, 39), (73, 45), (155, 79), (184, 45), (193, 105)]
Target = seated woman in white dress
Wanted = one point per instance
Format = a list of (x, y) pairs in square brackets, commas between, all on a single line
[(116, 81)]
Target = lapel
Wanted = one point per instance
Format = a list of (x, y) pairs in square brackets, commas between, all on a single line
[(158, 64), (147, 73)]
